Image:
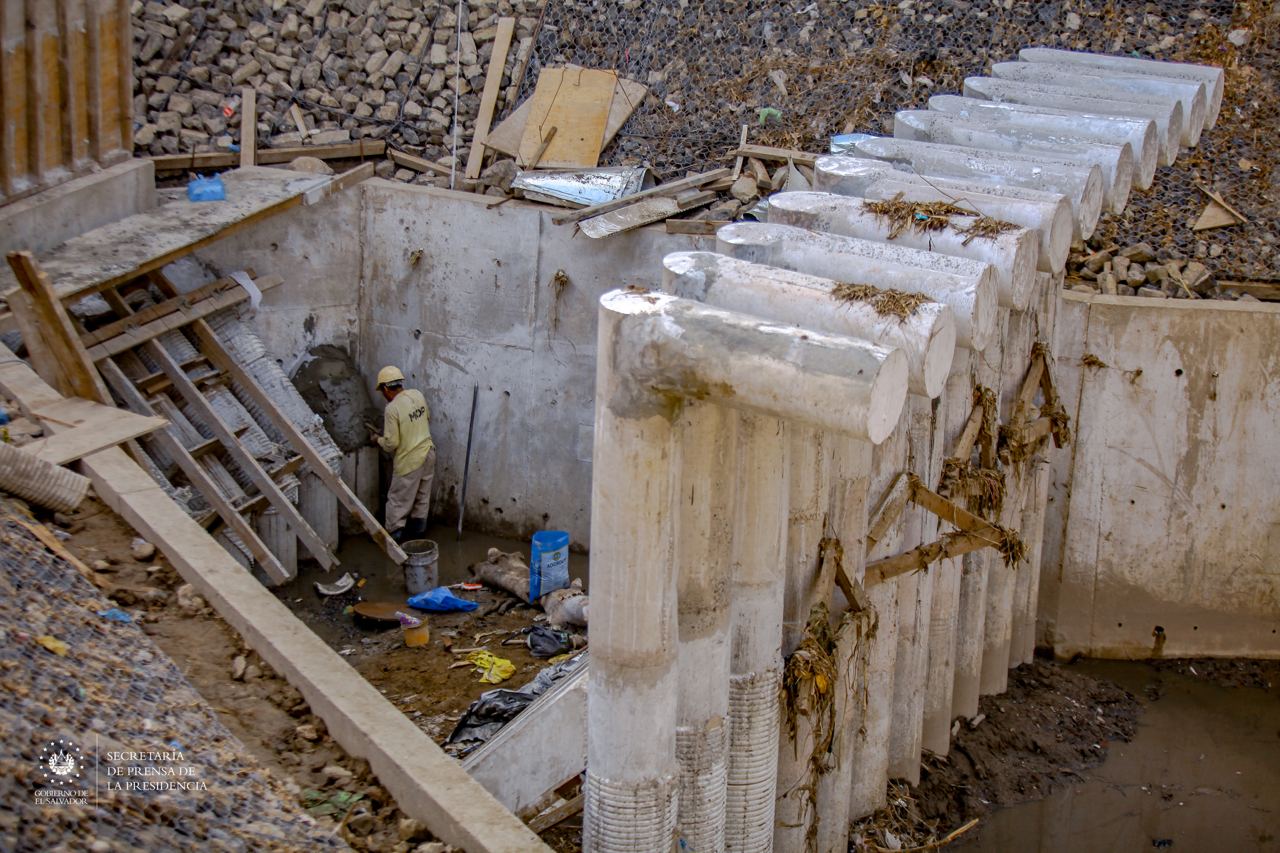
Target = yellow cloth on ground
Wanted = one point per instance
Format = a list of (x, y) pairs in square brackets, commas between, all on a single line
[(406, 431)]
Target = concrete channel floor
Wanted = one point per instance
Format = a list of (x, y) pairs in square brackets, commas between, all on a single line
[(1201, 774)]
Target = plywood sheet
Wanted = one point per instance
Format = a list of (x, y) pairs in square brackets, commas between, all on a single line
[(575, 101), (627, 97)]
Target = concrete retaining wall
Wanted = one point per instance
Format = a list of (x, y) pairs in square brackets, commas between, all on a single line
[(458, 294), (1163, 530)]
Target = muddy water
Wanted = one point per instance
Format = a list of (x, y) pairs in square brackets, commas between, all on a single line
[(1202, 774), (384, 581)]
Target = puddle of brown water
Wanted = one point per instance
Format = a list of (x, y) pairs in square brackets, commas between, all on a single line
[(1202, 774)]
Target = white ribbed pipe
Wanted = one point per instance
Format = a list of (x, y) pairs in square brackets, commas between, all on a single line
[(759, 566), (1012, 254), (1048, 213), (967, 287), (40, 482), (656, 350), (996, 132), (704, 457), (1166, 115), (1105, 84), (1081, 185), (1209, 76)]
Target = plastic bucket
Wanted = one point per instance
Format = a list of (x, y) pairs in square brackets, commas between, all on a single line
[(548, 563), (421, 565)]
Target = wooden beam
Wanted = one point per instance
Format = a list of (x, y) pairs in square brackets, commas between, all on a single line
[(695, 227), (112, 427), (768, 152), (138, 334), (61, 341), (964, 444), (271, 156), (196, 474), (489, 98), (952, 513), (160, 309), (737, 163), (888, 509), (557, 815), (247, 463), (417, 164), (295, 113), (426, 784), (248, 126), (923, 556), (661, 190)]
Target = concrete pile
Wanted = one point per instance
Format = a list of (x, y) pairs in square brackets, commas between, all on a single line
[(357, 69)]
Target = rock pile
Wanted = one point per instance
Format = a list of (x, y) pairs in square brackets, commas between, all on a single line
[(357, 69), (1140, 270)]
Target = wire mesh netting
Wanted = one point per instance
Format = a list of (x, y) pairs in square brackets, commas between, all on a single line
[(108, 746), (797, 72)]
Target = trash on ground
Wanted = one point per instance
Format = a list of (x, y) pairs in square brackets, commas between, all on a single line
[(584, 187), (567, 607), (495, 708), (440, 600), (206, 189), (545, 642), (376, 615), (338, 587), (115, 614), (492, 669), (415, 630), (548, 563), (53, 644)]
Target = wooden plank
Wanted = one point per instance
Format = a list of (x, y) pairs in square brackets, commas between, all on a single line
[(75, 371), (577, 102), (130, 247), (75, 82), (922, 557), (338, 183), (213, 347), (269, 156), (1265, 291), (247, 463), (661, 190), (737, 163), (953, 514), (887, 511), (295, 113), (964, 444), (139, 334), (557, 815), (114, 426), (427, 784), (644, 212), (418, 164), (160, 309), (695, 227), (249, 126), (769, 152), (627, 97), (489, 98)]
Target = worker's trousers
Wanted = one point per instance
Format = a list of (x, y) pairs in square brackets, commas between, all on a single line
[(410, 494)]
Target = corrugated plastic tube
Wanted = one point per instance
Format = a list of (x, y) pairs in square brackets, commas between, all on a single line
[(40, 482)]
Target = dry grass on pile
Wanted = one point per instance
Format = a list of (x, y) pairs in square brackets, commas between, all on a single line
[(926, 216), (886, 302)]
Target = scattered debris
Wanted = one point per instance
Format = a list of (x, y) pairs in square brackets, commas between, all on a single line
[(343, 584)]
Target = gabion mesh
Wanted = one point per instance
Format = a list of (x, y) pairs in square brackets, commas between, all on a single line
[(110, 709), (828, 67)]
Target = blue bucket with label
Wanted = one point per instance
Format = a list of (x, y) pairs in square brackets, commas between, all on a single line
[(548, 563)]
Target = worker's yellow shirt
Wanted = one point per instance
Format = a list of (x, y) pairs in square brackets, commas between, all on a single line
[(406, 431)]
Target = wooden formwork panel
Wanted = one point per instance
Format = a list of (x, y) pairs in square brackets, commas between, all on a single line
[(66, 91)]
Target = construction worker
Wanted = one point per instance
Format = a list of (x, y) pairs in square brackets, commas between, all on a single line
[(406, 434)]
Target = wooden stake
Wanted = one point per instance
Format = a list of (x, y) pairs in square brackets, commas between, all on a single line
[(248, 127), (489, 98)]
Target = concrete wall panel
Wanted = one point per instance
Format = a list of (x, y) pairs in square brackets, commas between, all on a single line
[(1172, 542)]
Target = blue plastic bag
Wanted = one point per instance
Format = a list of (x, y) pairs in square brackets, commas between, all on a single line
[(440, 600), (206, 189)]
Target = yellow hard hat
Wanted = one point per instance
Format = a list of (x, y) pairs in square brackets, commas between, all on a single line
[(389, 374)]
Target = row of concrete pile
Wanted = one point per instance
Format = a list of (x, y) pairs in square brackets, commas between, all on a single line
[(750, 420)]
